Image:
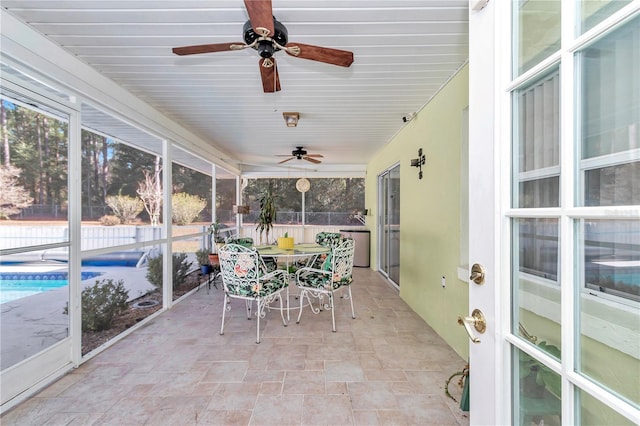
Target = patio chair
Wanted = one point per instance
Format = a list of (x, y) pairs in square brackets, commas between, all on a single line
[(244, 278), (326, 239), (269, 262), (334, 275)]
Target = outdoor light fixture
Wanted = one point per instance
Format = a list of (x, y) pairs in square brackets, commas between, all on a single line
[(418, 162), (291, 118), (240, 209)]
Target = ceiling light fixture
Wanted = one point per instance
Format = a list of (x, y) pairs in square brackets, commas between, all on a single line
[(291, 118)]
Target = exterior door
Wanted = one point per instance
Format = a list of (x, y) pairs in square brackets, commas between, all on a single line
[(554, 212)]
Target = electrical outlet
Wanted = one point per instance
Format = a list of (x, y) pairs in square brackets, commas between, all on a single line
[(443, 281)]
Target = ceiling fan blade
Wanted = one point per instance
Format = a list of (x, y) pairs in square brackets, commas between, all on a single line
[(311, 160), (284, 161), (261, 16), (315, 155), (327, 55), (208, 48), (269, 74)]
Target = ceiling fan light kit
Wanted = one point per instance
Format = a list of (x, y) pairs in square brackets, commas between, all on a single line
[(264, 33), (291, 118)]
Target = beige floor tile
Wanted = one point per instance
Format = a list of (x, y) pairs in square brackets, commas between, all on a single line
[(385, 367)]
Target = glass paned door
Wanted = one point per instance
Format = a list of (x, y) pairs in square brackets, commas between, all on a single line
[(389, 230), (574, 217)]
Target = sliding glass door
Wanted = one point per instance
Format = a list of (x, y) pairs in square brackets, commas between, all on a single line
[(389, 229)]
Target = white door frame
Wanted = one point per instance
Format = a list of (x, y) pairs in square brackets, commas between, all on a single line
[(488, 376)]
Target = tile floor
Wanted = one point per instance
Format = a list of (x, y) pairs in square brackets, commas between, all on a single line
[(387, 366)]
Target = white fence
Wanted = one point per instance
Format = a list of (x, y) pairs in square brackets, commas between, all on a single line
[(95, 237)]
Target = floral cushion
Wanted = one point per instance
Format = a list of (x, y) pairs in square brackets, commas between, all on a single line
[(328, 239), (259, 289), (321, 280), (244, 242)]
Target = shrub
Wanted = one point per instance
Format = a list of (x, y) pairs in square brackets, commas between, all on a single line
[(202, 256), (109, 220), (186, 207), (180, 269), (101, 303), (124, 207)]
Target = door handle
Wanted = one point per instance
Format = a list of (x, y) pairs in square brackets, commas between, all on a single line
[(477, 320)]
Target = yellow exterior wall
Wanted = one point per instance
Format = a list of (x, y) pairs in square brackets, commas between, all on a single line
[(430, 210)]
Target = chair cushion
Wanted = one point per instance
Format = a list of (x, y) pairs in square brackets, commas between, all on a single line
[(319, 280), (244, 242), (264, 288)]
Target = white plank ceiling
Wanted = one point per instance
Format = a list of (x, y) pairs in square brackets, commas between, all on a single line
[(404, 51)]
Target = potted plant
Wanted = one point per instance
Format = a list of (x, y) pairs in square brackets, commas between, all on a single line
[(285, 242), (267, 215), (202, 256), (215, 239)]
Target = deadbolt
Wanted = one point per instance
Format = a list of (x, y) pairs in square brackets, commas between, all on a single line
[(477, 274)]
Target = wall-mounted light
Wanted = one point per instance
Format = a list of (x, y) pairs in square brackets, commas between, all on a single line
[(291, 118), (418, 162), (239, 209)]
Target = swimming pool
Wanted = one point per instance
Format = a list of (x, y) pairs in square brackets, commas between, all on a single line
[(17, 285)]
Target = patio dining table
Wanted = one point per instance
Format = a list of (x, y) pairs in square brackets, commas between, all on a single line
[(310, 251)]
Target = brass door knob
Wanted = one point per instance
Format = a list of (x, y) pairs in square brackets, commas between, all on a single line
[(477, 320)]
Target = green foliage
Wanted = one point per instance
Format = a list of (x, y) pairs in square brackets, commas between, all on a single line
[(214, 230), (186, 207), (267, 215), (202, 256), (101, 303), (180, 269), (38, 146), (541, 376), (124, 207), (327, 195)]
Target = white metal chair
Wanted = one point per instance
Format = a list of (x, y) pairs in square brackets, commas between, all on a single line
[(334, 275), (244, 277)]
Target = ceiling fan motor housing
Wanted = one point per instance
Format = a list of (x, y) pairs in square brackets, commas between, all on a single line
[(266, 48), (299, 152)]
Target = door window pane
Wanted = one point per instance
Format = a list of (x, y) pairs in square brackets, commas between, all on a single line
[(537, 392), (535, 289), (592, 12), (608, 294), (536, 143), (610, 112), (536, 27), (595, 413)]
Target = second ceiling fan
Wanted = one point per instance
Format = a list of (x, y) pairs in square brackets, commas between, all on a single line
[(301, 154), (267, 35)]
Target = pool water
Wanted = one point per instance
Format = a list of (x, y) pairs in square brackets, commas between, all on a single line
[(17, 289), (17, 285)]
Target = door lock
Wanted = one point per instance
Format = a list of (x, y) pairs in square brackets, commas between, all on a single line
[(477, 274), (476, 320)]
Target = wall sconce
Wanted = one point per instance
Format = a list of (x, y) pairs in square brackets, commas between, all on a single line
[(291, 118), (241, 209), (418, 162)]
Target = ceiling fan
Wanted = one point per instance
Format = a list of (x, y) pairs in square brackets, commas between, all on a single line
[(301, 154), (264, 33)]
